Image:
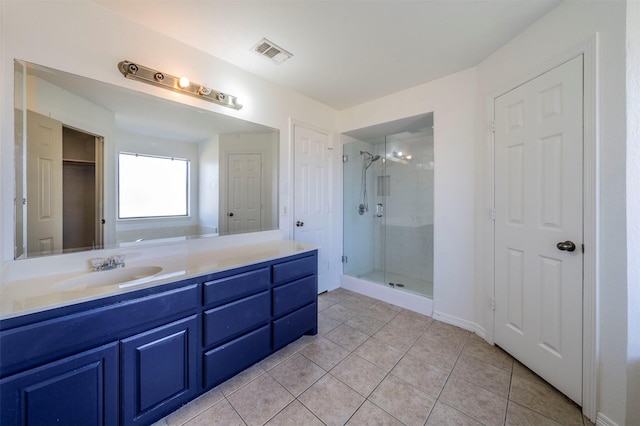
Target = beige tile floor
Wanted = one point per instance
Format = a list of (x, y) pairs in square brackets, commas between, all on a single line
[(373, 363)]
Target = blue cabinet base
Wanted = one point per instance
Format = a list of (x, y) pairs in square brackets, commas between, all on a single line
[(135, 358)]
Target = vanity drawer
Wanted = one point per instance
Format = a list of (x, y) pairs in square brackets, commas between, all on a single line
[(291, 296), (232, 357), (223, 290), (292, 326), (293, 269), (228, 321)]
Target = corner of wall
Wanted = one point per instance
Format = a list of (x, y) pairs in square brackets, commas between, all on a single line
[(633, 211)]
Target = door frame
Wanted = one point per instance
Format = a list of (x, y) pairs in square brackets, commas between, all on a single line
[(590, 335)]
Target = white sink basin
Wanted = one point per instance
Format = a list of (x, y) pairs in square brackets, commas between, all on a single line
[(122, 277)]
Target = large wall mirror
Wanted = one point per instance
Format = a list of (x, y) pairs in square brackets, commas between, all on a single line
[(100, 166)]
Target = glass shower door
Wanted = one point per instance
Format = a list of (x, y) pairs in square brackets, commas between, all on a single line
[(408, 227), (363, 238), (388, 211)]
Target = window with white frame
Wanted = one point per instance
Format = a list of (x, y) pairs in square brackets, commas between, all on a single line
[(151, 186)]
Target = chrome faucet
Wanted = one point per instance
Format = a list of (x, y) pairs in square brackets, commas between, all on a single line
[(102, 264)]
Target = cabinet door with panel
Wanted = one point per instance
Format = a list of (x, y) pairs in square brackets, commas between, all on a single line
[(158, 371), (77, 390)]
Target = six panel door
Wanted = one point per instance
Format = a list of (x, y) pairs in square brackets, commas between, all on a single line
[(538, 225)]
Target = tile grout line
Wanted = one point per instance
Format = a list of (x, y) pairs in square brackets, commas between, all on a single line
[(449, 374)]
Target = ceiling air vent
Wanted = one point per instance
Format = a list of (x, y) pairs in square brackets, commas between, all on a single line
[(272, 52)]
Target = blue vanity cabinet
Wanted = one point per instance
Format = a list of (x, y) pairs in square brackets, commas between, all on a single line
[(78, 390), (158, 371), (135, 357), (74, 365)]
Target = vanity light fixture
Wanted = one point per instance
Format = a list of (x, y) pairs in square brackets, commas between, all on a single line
[(177, 84), (400, 156)]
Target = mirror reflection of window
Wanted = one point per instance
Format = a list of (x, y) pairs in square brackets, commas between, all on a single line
[(151, 186)]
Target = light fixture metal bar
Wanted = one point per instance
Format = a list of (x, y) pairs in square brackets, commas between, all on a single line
[(148, 75)]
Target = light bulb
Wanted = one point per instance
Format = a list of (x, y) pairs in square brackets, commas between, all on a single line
[(184, 82)]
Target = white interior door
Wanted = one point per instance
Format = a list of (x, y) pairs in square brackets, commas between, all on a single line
[(44, 185), (244, 203), (311, 195), (538, 217)]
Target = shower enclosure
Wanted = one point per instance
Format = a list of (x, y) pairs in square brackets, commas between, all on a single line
[(388, 210)]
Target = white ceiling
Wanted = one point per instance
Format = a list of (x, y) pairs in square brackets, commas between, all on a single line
[(345, 52)]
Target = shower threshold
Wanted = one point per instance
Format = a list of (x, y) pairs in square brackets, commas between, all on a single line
[(401, 282), (379, 290)]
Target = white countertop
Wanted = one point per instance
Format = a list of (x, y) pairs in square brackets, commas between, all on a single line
[(20, 297)]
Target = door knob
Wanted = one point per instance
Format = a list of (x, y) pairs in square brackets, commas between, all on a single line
[(299, 224), (231, 214), (566, 246)]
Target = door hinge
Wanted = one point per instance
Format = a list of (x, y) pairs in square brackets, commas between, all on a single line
[(582, 248), (493, 214), (345, 158), (493, 304), (345, 259), (493, 127)]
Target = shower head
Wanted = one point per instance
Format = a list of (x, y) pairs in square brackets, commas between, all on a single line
[(370, 156)]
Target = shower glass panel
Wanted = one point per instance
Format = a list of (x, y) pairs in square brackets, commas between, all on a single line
[(388, 210)]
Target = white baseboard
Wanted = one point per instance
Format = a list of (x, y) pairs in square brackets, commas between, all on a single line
[(481, 332), (459, 322), (602, 420)]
